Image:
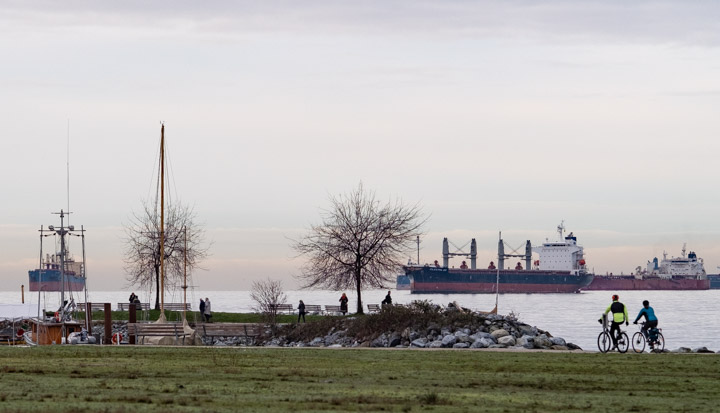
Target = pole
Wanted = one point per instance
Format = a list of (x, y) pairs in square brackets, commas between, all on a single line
[(88, 315), (497, 278), (162, 220), (22, 293), (185, 273)]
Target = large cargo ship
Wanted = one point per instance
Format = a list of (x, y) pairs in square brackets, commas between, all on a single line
[(560, 269), (675, 273)]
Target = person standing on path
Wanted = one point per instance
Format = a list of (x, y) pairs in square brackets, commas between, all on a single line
[(202, 309), (343, 304), (207, 311), (301, 311)]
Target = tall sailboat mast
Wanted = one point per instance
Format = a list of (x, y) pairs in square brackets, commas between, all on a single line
[(162, 219)]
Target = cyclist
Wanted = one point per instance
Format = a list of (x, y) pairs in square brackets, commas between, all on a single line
[(651, 320), (620, 314)]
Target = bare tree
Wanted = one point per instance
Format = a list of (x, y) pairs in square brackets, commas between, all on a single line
[(268, 295), (360, 243), (142, 246)]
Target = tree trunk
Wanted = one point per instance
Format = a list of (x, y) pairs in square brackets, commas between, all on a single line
[(358, 286), (157, 288)]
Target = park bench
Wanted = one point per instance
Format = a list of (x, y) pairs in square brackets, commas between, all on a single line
[(332, 309), (142, 330), (313, 309), (176, 306), (138, 306), (283, 308), (373, 308), (94, 306), (246, 331)]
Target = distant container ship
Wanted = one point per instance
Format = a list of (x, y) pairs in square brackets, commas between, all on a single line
[(675, 273), (560, 269)]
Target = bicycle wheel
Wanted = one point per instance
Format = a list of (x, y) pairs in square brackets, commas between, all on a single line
[(604, 342), (638, 342), (623, 342), (660, 343)]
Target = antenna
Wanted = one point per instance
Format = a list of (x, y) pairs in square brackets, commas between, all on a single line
[(68, 169)]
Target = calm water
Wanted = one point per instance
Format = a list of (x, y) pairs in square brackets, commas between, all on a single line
[(687, 318)]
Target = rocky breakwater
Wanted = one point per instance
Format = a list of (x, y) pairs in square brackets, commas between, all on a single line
[(420, 324)]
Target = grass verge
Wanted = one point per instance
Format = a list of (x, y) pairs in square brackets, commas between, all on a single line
[(167, 379)]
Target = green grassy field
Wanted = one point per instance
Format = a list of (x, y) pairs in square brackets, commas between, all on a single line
[(207, 379)]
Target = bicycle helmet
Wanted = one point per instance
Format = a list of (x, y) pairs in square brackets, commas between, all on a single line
[(615, 297)]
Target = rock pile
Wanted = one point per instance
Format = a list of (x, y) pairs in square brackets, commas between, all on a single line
[(479, 330)]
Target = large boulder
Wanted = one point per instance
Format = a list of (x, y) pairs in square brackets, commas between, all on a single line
[(542, 342), (527, 330), (420, 342), (499, 333), (558, 341), (449, 340), (435, 344), (507, 340), (526, 341), (702, 350), (461, 345)]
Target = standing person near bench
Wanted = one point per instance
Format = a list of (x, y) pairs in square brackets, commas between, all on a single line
[(301, 311), (343, 304), (202, 309), (207, 311), (133, 297)]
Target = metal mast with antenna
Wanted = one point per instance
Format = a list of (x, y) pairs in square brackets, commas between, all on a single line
[(162, 221)]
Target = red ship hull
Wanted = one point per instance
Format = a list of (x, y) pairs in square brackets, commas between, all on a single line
[(631, 283)]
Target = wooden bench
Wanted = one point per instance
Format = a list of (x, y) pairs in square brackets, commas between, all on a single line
[(313, 309), (332, 309), (247, 331), (138, 306), (176, 306), (142, 330), (284, 308), (373, 308), (94, 306)]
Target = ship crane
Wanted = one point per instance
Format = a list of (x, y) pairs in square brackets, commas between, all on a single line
[(516, 254), (460, 253)]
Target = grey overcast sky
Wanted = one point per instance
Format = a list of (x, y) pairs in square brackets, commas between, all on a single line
[(493, 115)]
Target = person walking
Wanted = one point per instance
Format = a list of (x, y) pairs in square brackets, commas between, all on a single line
[(620, 315), (202, 309), (343, 304), (301, 311), (207, 311)]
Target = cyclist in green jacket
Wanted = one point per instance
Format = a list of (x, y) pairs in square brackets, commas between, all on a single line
[(620, 315)]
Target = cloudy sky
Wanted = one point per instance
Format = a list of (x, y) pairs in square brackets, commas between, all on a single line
[(492, 115)]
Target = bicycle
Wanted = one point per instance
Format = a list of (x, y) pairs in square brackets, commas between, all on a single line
[(605, 341), (655, 339)]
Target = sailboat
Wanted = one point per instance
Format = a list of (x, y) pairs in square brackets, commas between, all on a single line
[(162, 319), (59, 272)]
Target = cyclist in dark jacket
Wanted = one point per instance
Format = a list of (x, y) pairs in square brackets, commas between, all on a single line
[(620, 314), (651, 320)]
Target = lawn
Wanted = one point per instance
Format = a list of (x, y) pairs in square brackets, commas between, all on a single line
[(205, 379)]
